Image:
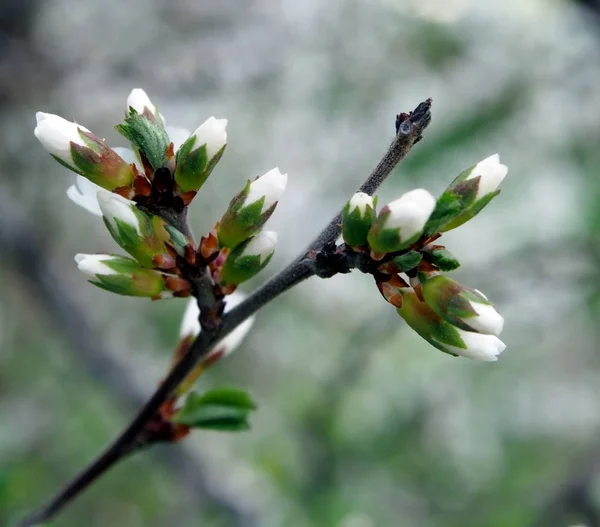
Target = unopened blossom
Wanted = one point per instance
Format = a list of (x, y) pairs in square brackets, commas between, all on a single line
[(401, 222), (248, 259), (445, 336), (251, 208), (190, 325), (463, 307), (357, 218), (123, 276), (200, 153)]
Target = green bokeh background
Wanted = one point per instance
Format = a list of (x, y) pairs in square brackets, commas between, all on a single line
[(360, 422)]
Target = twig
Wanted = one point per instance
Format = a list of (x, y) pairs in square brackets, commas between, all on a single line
[(410, 132), (23, 247)]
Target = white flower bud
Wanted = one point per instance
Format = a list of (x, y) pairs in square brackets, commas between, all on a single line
[(262, 245), (478, 346), (93, 265), (271, 186), (56, 135), (410, 212), (492, 173), (115, 207), (190, 326), (85, 194), (211, 133), (138, 100), (488, 320), (360, 201)]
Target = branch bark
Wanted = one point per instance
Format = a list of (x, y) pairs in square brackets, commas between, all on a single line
[(410, 131)]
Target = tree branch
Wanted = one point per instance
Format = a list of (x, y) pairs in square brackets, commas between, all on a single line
[(410, 130), (24, 248)]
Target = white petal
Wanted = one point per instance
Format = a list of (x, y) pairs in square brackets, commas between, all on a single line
[(93, 265), (487, 321), (129, 156), (361, 201), (212, 133), (492, 173), (56, 135), (271, 185), (410, 212), (480, 347), (190, 327), (263, 245), (84, 193), (115, 206), (177, 135)]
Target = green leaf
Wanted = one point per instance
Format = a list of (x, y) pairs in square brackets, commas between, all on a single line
[(444, 259), (149, 137), (406, 262), (225, 409)]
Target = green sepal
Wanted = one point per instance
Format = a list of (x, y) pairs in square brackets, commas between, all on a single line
[(428, 324), (407, 261), (151, 242), (193, 166), (133, 280), (148, 136), (356, 226), (444, 259), (177, 239), (240, 223), (238, 269), (388, 240), (471, 212), (451, 300), (225, 409), (66, 165)]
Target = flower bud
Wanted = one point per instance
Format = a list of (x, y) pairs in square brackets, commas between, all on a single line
[(251, 208), (248, 259), (76, 148), (401, 222), (190, 325), (123, 276), (467, 195), (443, 335), (143, 236), (199, 154), (357, 218), (139, 101), (144, 128), (465, 308)]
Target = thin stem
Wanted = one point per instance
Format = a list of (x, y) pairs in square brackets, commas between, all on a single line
[(410, 132)]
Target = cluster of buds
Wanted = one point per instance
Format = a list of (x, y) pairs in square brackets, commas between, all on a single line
[(238, 248), (407, 263), (142, 194)]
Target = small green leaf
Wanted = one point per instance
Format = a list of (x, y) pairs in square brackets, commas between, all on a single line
[(225, 409), (444, 259), (407, 261), (149, 137)]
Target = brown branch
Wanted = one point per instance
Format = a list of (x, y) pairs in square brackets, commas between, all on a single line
[(409, 132), (24, 248)]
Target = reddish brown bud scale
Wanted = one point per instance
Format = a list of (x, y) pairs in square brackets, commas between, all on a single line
[(142, 186), (187, 197)]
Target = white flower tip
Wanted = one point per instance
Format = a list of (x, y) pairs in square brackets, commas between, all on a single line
[(492, 173), (190, 327), (410, 212), (487, 321), (361, 201), (270, 185), (115, 206), (138, 100), (92, 265)]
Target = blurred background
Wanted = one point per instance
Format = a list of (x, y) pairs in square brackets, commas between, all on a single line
[(360, 423)]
